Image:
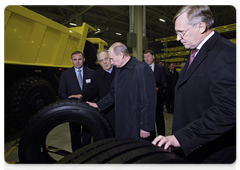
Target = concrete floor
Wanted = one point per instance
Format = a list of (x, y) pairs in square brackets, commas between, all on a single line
[(59, 137)]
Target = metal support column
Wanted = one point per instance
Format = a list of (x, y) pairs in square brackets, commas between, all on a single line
[(138, 27)]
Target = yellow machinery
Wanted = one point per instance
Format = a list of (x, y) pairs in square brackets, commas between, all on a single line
[(39, 41), (36, 50)]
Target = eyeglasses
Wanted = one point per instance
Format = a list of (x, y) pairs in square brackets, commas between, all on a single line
[(182, 33), (105, 59)]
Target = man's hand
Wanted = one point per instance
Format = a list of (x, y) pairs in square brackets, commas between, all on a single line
[(78, 96), (144, 134), (92, 104), (168, 141)]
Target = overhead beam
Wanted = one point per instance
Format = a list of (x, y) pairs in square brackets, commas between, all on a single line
[(57, 5), (76, 15)]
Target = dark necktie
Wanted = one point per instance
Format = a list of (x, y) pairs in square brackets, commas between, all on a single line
[(192, 56)]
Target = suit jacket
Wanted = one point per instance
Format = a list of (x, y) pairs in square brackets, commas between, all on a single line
[(161, 83), (100, 86), (204, 119), (69, 85), (172, 79)]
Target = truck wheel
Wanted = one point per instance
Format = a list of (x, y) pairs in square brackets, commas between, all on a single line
[(32, 145), (25, 98), (90, 54), (121, 151)]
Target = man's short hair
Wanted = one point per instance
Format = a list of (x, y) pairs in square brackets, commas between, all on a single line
[(196, 14), (148, 51), (104, 50), (119, 47), (77, 52)]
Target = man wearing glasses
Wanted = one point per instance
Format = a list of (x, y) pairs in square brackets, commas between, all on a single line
[(101, 85), (204, 121), (134, 93)]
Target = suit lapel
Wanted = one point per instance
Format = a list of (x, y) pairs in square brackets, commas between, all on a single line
[(202, 54), (196, 62), (84, 77), (75, 76), (155, 70)]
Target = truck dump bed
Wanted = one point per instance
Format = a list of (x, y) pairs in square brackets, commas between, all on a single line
[(32, 39)]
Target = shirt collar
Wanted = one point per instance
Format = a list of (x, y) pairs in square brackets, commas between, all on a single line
[(130, 64), (152, 66), (109, 71), (76, 69), (205, 39)]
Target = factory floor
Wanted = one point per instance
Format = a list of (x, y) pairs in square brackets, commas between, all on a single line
[(59, 137)]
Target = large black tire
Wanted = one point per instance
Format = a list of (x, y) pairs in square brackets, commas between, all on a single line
[(32, 145), (90, 54), (25, 98), (121, 151)]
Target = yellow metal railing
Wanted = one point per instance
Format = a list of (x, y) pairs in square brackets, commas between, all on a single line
[(220, 29), (177, 51), (181, 51)]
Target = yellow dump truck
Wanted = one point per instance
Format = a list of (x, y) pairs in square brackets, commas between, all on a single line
[(36, 51)]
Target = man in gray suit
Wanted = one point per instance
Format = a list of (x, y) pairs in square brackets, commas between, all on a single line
[(204, 121)]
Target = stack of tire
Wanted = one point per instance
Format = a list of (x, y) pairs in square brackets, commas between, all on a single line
[(121, 151)]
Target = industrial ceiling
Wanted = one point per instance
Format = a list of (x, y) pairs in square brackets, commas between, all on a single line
[(109, 20)]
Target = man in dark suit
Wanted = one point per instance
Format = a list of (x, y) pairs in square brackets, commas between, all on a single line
[(134, 93), (159, 73), (172, 78), (101, 84), (204, 121), (74, 81)]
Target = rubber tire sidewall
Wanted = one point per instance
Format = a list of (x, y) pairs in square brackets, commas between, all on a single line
[(32, 147)]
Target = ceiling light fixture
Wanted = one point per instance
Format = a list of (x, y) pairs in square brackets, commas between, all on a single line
[(118, 33), (98, 31), (161, 20), (73, 24), (115, 1)]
